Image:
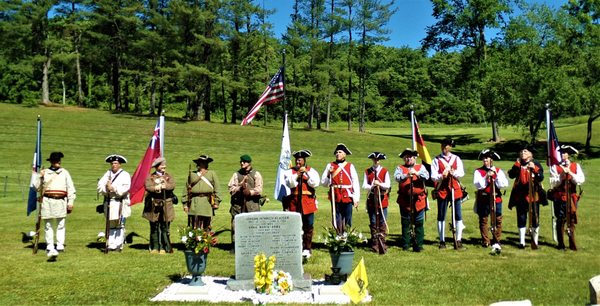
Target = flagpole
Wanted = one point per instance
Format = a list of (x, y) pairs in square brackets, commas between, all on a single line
[(283, 78), (412, 126), (548, 144), (161, 133)]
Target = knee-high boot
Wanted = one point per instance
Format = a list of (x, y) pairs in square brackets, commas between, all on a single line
[(498, 232), (483, 229), (560, 233), (572, 244), (374, 242)]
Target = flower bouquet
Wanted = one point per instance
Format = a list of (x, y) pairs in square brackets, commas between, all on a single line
[(197, 240)]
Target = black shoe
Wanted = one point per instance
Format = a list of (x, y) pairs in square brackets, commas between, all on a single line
[(459, 246), (418, 249), (521, 246), (442, 245)]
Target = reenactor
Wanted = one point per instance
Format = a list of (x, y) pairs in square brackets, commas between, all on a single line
[(376, 180)]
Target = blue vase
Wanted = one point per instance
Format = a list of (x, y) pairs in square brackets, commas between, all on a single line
[(343, 261), (196, 264)]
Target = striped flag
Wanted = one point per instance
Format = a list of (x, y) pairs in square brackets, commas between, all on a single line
[(419, 143), (154, 151), (553, 156), (35, 167), (285, 158), (272, 94)]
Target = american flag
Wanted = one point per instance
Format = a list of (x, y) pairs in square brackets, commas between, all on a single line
[(272, 94)]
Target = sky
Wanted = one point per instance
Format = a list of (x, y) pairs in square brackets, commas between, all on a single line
[(407, 25)]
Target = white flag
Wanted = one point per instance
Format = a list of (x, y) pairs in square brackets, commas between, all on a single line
[(285, 158)]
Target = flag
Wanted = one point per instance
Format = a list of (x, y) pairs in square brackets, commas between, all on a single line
[(272, 94), (356, 284), (35, 167), (554, 157), (285, 158), (419, 144), (154, 151)]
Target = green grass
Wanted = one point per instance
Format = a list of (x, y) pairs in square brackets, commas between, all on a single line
[(83, 275)]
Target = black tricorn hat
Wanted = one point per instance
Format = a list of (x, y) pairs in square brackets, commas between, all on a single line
[(568, 149), (448, 142), (55, 156), (342, 147), (203, 158), (377, 155), (115, 157), (529, 147), (488, 153), (304, 153), (409, 152)]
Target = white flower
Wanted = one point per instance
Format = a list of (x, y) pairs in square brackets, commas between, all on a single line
[(184, 239)]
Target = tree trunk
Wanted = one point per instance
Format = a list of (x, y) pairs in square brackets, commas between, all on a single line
[(116, 83), (152, 97), (207, 90), (588, 138), (64, 89), (80, 97), (45, 85), (350, 69)]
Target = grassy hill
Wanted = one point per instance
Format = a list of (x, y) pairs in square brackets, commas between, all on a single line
[(83, 275)]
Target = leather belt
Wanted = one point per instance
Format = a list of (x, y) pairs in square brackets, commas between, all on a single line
[(55, 196)]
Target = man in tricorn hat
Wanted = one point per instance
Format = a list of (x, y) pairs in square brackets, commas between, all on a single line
[(342, 180), (114, 186), (58, 196), (302, 181), (158, 207), (488, 180), (564, 179), (376, 180), (446, 171), (202, 194), (411, 178), (245, 187), (528, 175)]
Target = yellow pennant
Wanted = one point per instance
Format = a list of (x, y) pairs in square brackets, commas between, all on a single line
[(356, 285)]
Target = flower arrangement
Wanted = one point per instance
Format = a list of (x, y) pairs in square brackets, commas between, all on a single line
[(196, 239), (269, 281), (342, 239)]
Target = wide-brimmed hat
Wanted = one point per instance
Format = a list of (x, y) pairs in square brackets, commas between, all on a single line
[(55, 156), (377, 156), (408, 152), (448, 142), (304, 153), (246, 158), (568, 149), (115, 157), (203, 159), (342, 147), (488, 153), (158, 161)]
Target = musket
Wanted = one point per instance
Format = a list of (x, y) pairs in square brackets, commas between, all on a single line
[(453, 224), (532, 213), (413, 211), (378, 216), (493, 207), (299, 191), (332, 197), (569, 211), (107, 217), (189, 193)]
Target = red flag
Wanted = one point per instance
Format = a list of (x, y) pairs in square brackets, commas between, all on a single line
[(273, 93), (420, 144), (137, 190)]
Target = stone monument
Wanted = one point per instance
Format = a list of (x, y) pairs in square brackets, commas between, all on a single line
[(272, 233)]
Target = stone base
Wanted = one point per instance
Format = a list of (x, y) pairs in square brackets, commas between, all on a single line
[(595, 290), (238, 285)]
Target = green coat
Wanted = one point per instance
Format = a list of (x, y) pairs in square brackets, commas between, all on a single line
[(202, 194)]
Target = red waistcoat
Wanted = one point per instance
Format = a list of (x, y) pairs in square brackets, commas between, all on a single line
[(418, 191), (309, 204), (342, 183), (561, 190), (483, 194), (370, 174), (443, 187)]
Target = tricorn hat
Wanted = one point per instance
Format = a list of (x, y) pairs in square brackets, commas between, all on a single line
[(377, 156), (203, 158), (488, 153), (342, 147), (246, 158), (115, 157), (302, 154), (408, 152), (55, 156), (448, 142), (568, 149), (529, 147), (158, 161)]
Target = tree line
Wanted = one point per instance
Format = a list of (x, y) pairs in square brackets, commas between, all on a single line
[(213, 58)]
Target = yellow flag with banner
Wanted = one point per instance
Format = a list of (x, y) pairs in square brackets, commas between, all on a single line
[(356, 284)]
